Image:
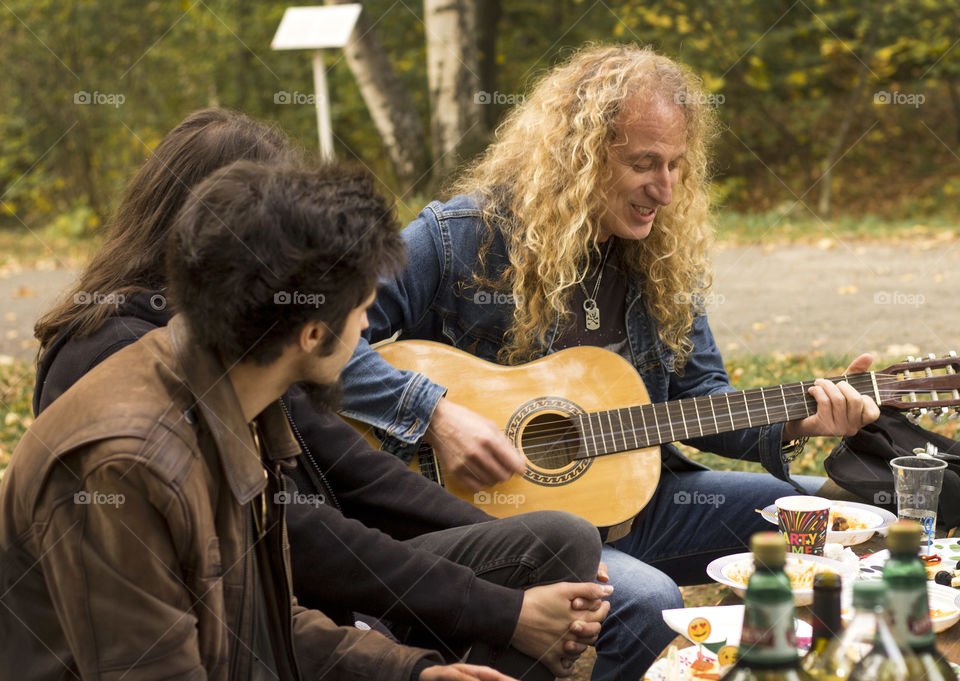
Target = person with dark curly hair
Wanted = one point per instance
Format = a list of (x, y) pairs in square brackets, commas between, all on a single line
[(144, 524), (407, 551)]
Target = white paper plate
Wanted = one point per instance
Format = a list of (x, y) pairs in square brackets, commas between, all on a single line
[(726, 621), (715, 570)]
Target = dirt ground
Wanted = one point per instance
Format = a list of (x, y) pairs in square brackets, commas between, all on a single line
[(836, 297)]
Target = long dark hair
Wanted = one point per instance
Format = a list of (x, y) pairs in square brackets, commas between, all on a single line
[(133, 256)]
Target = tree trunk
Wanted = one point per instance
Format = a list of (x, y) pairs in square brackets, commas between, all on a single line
[(390, 106), (488, 18), (833, 156), (456, 99)]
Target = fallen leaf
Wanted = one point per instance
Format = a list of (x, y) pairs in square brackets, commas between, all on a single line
[(758, 326), (826, 244), (24, 292), (850, 289)]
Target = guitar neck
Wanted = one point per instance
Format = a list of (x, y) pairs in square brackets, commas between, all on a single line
[(618, 430)]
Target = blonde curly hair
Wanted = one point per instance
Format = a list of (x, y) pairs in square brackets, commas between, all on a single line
[(541, 185)]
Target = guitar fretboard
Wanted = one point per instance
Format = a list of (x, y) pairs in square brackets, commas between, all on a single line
[(627, 428)]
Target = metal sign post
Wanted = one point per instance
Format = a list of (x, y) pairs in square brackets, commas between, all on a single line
[(314, 28)]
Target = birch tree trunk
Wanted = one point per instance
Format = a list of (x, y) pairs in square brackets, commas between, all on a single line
[(390, 106), (456, 99)]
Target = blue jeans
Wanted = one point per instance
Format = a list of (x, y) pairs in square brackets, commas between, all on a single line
[(693, 518)]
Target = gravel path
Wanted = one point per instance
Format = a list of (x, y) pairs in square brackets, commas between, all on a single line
[(890, 300), (838, 298), (24, 296)]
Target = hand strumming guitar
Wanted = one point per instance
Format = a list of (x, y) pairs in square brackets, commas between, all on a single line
[(472, 447)]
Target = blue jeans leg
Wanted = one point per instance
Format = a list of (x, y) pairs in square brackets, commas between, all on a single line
[(634, 632)]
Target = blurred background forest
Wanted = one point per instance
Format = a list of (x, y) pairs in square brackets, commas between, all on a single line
[(830, 107)]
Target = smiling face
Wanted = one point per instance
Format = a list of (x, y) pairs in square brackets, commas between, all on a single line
[(699, 629), (644, 160)]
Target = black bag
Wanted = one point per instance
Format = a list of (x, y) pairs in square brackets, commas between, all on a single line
[(861, 463)]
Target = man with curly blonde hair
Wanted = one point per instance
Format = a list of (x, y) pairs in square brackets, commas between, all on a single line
[(589, 216)]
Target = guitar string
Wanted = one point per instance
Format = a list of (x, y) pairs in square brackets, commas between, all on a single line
[(751, 397), (543, 430)]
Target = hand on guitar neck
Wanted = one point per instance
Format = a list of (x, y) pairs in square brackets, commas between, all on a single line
[(841, 409), (472, 447)]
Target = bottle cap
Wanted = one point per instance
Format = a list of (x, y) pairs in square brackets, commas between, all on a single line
[(869, 595), (769, 549), (904, 537), (827, 581)]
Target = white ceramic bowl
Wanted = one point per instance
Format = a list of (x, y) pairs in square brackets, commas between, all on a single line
[(875, 518), (721, 569)]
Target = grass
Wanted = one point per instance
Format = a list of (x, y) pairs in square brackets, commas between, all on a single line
[(791, 227), (43, 249)]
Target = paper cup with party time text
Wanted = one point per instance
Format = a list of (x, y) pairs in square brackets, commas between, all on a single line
[(803, 521)]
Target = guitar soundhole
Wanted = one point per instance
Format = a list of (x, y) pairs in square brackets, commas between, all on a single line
[(550, 441)]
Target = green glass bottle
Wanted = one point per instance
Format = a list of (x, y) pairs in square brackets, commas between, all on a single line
[(821, 660), (906, 581), (868, 650), (768, 644)]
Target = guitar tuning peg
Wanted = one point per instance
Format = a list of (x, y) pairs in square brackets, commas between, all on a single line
[(931, 356), (911, 358), (952, 353), (913, 416), (941, 415)]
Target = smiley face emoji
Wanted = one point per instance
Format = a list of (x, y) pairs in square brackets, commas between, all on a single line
[(699, 629), (727, 655)]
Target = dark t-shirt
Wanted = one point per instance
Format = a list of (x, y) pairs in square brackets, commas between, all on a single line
[(611, 302)]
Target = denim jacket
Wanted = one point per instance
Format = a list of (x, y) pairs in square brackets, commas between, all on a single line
[(434, 299)]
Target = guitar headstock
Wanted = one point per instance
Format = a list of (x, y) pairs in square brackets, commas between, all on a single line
[(922, 386)]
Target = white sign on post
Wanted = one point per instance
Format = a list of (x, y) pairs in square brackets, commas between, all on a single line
[(316, 28)]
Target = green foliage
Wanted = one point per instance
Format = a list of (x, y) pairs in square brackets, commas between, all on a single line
[(785, 74)]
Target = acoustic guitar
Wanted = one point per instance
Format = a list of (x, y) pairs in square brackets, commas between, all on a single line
[(601, 461)]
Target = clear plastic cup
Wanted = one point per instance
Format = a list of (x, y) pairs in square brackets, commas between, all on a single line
[(918, 480)]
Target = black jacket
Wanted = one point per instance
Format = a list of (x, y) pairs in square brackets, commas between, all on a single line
[(370, 502)]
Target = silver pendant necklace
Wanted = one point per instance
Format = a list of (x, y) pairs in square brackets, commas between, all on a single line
[(590, 307)]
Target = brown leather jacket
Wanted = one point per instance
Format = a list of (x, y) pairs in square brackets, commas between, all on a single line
[(139, 537)]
